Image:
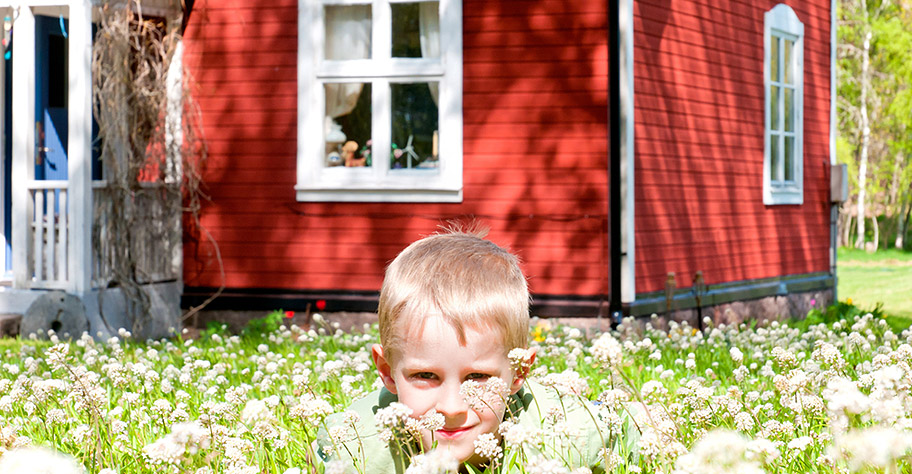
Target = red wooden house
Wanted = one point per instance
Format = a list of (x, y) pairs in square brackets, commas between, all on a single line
[(720, 153)]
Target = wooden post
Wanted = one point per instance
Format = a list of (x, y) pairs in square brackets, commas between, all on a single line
[(23, 157), (80, 148)]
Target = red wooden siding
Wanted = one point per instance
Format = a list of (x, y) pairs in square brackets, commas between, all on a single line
[(535, 148), (698, 70)]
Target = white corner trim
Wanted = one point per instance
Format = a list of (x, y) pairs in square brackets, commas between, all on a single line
[(23, 102), (3, 204), (628, 154), (79, 278), (174, 135)]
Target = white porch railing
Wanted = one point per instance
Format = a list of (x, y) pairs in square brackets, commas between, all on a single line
[(154, 244), (48, 234)]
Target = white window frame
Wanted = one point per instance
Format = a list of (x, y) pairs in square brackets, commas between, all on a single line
[(781, 21), (377, 183)]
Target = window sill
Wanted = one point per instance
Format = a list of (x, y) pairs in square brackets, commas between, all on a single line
[(311, 194), (773, 198)]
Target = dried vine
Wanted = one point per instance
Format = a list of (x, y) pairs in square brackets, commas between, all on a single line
[(152, 162)]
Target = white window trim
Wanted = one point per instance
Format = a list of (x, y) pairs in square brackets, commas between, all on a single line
[(315, 182), (782, 21)]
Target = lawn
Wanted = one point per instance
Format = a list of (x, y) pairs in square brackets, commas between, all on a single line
[(754, 398), (881, 277)]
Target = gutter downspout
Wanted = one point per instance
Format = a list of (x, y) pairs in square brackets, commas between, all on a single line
[(614, 161)]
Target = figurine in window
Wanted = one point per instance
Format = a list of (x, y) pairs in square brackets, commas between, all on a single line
[(348, 154)]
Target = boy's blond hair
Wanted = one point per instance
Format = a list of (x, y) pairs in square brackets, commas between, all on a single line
[(457, 274)]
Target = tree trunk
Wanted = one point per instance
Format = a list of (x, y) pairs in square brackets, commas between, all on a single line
[(865, 129), (901, 219), (892, 209), (847, 229), (876, 241)]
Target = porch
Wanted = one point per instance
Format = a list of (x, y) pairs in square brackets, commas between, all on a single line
[(56, 204)]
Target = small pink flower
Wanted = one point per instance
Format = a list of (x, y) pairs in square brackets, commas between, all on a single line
[(397, 153)]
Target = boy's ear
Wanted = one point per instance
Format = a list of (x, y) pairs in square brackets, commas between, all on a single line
[(383, 367), (523, 372)]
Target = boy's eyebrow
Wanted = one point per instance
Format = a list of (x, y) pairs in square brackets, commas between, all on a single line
[(426, 366)]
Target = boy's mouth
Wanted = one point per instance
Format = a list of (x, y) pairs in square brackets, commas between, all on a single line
[(451, 433)]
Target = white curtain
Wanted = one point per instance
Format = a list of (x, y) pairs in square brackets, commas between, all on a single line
[(429, 28), (348, 36)]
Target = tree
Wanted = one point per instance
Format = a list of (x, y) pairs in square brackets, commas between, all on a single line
[(875, 112)]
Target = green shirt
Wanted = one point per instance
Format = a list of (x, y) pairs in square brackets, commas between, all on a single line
[(529, 407)]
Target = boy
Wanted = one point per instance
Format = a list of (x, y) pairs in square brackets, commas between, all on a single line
[(452, 306)]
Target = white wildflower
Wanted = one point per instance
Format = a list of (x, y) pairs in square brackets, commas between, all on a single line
[(255, 410), (433, 421), (800, 443), (488, 446), (33, 460), (521, 359), (876, 447), (566, 383), (433, 462), (719, 452), (607, 350), (490, 394)]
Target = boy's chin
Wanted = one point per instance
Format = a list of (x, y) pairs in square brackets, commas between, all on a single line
[(462, 450)]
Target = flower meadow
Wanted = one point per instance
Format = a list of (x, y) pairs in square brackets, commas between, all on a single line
[(753, 398)]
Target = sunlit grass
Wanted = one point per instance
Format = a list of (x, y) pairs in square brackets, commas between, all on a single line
[(880, 277)]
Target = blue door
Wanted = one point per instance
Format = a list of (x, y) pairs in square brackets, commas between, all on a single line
[(51, 89), (51, 110)]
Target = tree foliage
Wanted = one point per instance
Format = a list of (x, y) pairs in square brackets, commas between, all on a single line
[(881, 96)]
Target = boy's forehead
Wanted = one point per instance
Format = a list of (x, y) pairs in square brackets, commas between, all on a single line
[(432, 325), (412, 333)]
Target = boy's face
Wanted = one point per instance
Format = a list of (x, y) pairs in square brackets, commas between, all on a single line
[(428, 371)]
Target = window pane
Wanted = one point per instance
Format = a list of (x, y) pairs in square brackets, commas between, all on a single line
[(774, 157), (787, 63), (347, 125), (416, 30), (774, 108), (774, 58), (348, 31), (789, 110), (415, 126), (789, 158)]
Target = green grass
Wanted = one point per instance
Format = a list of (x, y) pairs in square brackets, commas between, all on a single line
[(851, 256), (881, 277)]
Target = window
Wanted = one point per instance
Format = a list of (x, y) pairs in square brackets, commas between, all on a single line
[(783, 72), (379, 75)]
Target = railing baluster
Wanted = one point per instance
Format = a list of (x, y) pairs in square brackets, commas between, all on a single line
[(50, 246), (62, 262), (38, 226), (49, 239)]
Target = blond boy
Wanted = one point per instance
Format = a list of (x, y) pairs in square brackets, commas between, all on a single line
[(452, 306)]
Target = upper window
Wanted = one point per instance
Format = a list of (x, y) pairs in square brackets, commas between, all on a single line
[(379, 100), (783, 65)]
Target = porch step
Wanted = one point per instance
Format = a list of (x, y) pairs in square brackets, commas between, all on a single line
[(9, 324)]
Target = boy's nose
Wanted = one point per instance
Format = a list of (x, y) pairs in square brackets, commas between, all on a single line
[(450, 403)]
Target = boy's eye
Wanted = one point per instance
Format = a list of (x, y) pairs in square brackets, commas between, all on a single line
[(478, 377), (424, 376)]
